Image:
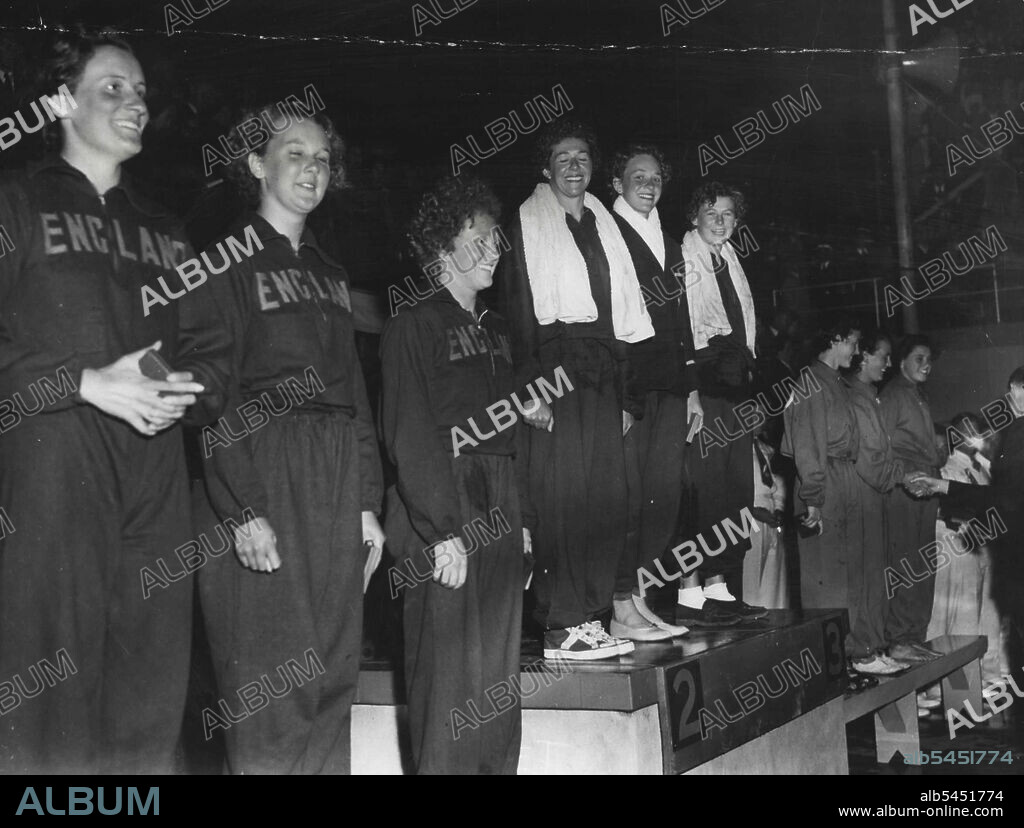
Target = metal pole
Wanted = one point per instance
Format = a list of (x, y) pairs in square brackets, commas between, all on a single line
[(995, 292), (878, 315), (897, 143)]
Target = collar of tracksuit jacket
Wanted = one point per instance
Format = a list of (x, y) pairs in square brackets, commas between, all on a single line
[(267, 233), (55, 165)]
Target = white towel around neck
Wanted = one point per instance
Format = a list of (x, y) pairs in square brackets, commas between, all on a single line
[(649, 229), (558, 273), (707, 311)]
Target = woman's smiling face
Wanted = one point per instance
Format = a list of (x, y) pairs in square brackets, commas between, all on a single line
[(110, 108), (570, 167)]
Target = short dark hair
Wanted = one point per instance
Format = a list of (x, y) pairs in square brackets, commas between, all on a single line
[(869, 342), (64, 63), (560, 130), (238, 170), (1017, 377), (909, 343), (623, 156), (838, 327), (69, 54), (710, 193), (443, 212)]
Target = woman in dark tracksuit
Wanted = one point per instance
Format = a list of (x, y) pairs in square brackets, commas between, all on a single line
[(92, 472), (446, 360), (570, 293), (661, 390), (294, 460), (908, 420)]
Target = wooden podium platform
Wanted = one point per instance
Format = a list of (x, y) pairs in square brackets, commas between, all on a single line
[(763, 697)]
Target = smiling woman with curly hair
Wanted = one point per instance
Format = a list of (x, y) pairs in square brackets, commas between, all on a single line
[(445, 360)]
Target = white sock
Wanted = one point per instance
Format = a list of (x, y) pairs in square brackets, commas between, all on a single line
[(718, 592), (692, 597)]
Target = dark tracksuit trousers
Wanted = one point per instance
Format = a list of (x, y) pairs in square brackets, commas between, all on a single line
[(834, 565), (867, 620), (92, 503), (716, 487), (655, 448), (578, 485), (308, 463), (464, 644), (911, 529), (907, 418)]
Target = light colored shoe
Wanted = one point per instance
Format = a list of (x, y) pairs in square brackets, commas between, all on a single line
[(584, 642), (648, 632), (895, 662), (926, 702), (652, 617), (875, 667)]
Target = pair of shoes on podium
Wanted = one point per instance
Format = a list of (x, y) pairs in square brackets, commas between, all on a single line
[(584, 642)]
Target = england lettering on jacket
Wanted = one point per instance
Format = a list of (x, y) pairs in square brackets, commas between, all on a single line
[(192, 274), (290, 285), (84, 233), (471, 340), (502, 416)]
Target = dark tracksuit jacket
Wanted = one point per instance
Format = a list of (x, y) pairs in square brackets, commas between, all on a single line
[(661, 376), (92, 502), (878, 472), (823, 439), (442, 368), (581, 526), (272, 338), (911, 522)]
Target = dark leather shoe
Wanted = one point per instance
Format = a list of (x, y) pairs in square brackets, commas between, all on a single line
[(737, 607), (712, 614)]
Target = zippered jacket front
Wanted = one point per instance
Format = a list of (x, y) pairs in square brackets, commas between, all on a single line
[(76, 270)]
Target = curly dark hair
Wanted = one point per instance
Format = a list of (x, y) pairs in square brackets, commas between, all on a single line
[(710, 193), (265, 122), (622, 158), (64, 63), (558, 131), (907, 345), (443, 212), (869, 342), (839, 327)]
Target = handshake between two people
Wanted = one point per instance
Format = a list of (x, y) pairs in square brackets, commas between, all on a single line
[(921, 485)]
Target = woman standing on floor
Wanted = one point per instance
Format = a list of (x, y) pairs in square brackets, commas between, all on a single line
[(95, 485), (272, 336), (445, 360)]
